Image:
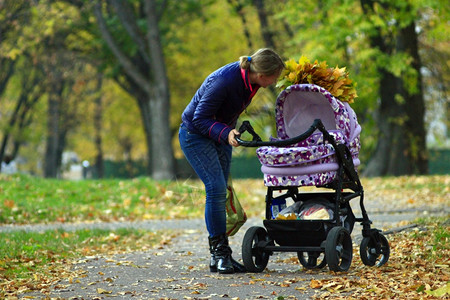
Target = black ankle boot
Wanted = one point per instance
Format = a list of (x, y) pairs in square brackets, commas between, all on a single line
[(238, 268), (212, 261), (220, 255)]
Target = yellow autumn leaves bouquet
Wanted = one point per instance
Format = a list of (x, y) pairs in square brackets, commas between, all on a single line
[(335, 80)]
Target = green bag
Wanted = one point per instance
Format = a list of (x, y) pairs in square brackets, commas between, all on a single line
[(236, 216)]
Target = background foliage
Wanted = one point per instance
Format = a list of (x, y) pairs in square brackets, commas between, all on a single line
[(54, 47)]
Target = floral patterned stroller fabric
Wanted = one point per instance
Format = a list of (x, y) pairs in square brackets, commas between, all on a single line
[(311, 162)]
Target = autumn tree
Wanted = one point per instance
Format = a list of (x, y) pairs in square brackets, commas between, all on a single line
[(63, 68), (45, 68), (378, 42), (144, 73), (147, 48), (18, 60), (8, 15), (22, 115), (401, 145)]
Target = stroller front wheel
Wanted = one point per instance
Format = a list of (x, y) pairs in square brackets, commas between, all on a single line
[(374, 250), (253, 255), (338, 249)]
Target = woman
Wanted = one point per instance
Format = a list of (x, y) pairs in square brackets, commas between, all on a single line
[(207, 134)]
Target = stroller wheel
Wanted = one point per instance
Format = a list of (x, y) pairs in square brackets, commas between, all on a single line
[(312, 260), (253, 255), (374, 250), (338, 249)]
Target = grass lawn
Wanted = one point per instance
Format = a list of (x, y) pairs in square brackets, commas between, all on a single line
[(36, 260), (29, 200)]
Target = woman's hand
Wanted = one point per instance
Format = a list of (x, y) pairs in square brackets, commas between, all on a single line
[(232, 138)]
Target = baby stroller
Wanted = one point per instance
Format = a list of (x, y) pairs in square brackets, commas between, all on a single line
[(317, 144)]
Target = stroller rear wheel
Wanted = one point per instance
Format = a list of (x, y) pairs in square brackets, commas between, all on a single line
[(338, 249), (312, 260), (253, 255), (374, 250)]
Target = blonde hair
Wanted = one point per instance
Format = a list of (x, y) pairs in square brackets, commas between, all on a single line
[(264, 61)]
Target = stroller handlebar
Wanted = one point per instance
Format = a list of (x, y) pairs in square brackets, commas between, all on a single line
[(258, 142)]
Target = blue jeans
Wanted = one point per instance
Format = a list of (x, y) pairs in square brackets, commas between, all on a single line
[(211, 161)]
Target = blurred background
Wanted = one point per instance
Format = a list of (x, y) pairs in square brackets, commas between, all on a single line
[(96, 88)]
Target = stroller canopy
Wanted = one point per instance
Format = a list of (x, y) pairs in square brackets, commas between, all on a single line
[(299, 105)]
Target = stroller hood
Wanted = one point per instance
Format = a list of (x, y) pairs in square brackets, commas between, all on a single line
[(299, 105)]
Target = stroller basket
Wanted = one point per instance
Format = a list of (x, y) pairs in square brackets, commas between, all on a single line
[(310, 232), (297, 233)]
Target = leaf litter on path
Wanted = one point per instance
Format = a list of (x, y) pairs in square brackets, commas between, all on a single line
[(417, 269)]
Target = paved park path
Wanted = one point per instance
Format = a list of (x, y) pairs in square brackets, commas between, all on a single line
[(179, 270)]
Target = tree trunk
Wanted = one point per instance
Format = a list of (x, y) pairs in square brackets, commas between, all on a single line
[(264, 23), (61, 144), (54, 85), (99, 166), (415, 108), (162, 154), (50, 160), (146, 115)]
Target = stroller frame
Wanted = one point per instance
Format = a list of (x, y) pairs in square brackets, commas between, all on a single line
[(317, 242)]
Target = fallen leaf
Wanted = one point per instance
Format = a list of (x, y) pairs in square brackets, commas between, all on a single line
[(442, 291), (315, 284), (103, 291)]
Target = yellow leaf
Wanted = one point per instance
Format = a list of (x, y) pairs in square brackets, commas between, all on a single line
[(124, 293), (303, 60), (291, 76), (126, 202), (338, 93), (315, 284), (291, 64), (440, 291), (102, 291)]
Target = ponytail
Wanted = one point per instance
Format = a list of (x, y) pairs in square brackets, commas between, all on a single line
[(244, 62)]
